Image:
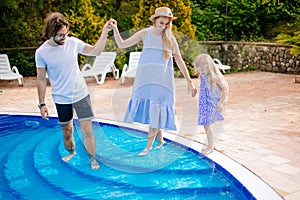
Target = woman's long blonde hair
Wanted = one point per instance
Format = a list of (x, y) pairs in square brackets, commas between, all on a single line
[(168, 40), (205, 60)]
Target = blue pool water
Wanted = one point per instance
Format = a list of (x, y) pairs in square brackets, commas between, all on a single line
[(31, 166)]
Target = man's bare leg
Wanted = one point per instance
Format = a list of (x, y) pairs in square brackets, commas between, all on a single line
[(94, 162), (89, 142), (69, 142)]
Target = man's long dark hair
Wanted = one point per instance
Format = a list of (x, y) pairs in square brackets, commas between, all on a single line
[(53, 23)]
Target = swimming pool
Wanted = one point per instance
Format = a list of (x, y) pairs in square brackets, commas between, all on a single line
[(31, 167)]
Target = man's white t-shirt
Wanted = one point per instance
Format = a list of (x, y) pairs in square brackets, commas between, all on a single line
[(61, 63)]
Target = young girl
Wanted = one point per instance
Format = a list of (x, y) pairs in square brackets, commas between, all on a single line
[(153, 99), (213, 93)]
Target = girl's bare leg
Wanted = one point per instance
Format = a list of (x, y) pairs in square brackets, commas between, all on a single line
[(209, 149)]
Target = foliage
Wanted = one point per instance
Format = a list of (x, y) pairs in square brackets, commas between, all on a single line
[(84, 24), (209, 17), (21, 25), (122, 11), (245, 20), (291, 40), (246, 68), (23, 60), (234, 20), (14, 20), (291, 36), (21, 22), (180, 9)]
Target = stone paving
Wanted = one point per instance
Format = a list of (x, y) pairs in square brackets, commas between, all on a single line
[(261, 130)]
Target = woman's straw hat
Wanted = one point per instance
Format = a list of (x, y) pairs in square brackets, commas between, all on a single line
[(162, 12)]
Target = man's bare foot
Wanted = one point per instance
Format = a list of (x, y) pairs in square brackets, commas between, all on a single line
[(68, 157), (207, 150), (94, 164)]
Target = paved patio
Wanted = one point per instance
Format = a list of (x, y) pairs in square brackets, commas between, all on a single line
[(261, 130)]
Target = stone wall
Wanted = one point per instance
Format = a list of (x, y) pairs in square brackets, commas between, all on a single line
[(270, 57)]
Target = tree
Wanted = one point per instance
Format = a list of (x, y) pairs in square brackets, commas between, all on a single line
[(212, 17), (21, 21), (292, 40), (246, 20), (84, 24)]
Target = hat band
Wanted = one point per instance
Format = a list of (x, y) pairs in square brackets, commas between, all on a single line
[(165, 13)]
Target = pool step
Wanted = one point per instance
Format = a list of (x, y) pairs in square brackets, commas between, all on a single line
[(41, 158), (200, 180), (57, 173), (119, 149), (19, 165), (9, 123), (8, 142)]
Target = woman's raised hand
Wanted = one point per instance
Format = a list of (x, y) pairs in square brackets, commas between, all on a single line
[(113, 23)]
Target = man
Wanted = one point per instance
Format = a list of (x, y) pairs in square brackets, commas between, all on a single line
[(58, 56)]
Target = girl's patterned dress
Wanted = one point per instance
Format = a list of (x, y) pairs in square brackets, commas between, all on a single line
[(208, 101)]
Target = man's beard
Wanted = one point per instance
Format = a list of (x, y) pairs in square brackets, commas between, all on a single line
[(58, 42)]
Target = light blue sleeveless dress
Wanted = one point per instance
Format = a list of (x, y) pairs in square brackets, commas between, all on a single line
[(153, 99), (208, 101)]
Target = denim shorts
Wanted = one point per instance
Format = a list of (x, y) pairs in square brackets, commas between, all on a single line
[(82, 108)]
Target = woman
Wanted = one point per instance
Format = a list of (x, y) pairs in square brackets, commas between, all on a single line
[(153, 99)]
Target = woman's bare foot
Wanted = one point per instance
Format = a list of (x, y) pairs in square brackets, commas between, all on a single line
[(159, 145), (144, 152), (68, 157), (207, 150)]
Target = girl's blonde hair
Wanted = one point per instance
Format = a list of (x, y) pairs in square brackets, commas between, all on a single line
[(205, 60), (168, 40)]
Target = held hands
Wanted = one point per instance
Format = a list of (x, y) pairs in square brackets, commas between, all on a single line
[(191, 89), (220, 107), (112, 24)]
